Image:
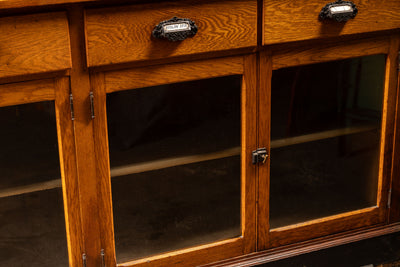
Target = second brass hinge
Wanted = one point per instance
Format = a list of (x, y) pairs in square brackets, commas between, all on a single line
[(389, 203), (398, 61), (84, 260), (71, 104), (102, 254), (91, 97)]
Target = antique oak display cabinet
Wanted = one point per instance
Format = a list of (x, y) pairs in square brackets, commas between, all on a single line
[(187, 132)]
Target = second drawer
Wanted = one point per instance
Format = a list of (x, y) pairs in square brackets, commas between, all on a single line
[(124, 34)]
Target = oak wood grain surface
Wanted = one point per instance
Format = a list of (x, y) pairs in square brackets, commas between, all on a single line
[(83, 134), (35, 3), (287, 20), (171, 73), (325, 226), (388, 123), (26, 92), (69, 176), (34, 44), (394, 215), (284, 252), (306, 54), (393, 82), (123, 34), (249, 142), (264, 135)]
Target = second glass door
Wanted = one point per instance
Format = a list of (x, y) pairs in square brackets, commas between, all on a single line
[(175, 165), (182, 189)]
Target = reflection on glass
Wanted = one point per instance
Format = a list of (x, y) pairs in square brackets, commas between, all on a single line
[(325, 137), (175, 165), (32, 227)]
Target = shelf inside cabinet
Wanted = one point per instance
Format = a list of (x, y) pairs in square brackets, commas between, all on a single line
[(189, 159)]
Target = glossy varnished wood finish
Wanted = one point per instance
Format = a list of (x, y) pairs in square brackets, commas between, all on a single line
[(103, 83), (103, 168), (7, 4), (83, 129), (295, 55), (123, 34), (394, 215), (249, 143), (287, 20), (26, 92), (325, 226), (69, 177), (388, 122), (285, 252), (171, 73), (34, 44), (264, 120)]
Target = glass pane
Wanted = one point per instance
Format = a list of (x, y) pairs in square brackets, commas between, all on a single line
[(32, 226), (175, 165), (325, 138)]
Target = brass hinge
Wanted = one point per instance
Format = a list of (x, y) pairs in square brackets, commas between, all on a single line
[(71, 104), (102, 254), (84, 260), (91, 97), (398, 61)]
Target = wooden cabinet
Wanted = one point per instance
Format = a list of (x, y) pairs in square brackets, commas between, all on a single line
[(267, 134)]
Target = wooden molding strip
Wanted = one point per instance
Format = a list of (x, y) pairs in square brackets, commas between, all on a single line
[(276, 254)]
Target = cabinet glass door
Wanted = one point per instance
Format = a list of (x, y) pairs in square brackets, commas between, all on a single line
[(32, 225), (325, 138), (328, 125), (175, 165), (181, 188)]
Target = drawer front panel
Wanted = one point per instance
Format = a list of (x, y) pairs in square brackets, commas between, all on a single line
[(34, 44), (124, 34), (287, 20)]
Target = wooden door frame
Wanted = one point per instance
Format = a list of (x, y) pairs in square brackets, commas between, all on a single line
[(273, 58), (112, 81)]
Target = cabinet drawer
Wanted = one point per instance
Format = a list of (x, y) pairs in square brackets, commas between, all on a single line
[(124, 34), (287, 20), (34, 44)]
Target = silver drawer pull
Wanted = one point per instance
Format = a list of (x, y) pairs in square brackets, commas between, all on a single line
[(175, 29), (340, 11)]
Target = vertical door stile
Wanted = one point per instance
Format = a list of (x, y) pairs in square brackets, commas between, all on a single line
[(103, 168), (83, 125), (249, 142), (388, 125), (264, 124), (65, 132), (394, 211)]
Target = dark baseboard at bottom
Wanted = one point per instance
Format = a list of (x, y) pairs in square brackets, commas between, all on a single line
[(356, 248)]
